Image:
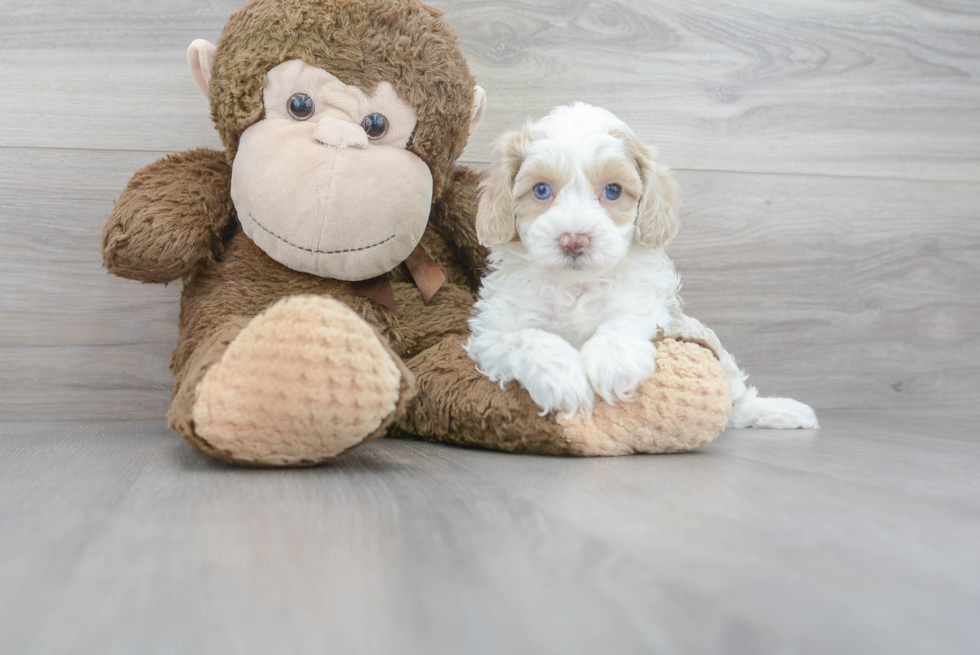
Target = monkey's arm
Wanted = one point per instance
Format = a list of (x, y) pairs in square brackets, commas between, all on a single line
[(170, 218), (454, 218)]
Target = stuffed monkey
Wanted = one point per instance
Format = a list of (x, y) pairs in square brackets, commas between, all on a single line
[(329, 258)]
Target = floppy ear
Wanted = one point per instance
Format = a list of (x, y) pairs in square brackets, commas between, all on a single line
[(495, 220), (656, 217)]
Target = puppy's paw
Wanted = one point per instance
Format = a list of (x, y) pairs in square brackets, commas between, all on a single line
[(617, 365), (777, 413), (551, 370)]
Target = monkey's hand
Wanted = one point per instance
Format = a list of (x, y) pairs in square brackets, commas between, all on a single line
[(170, 218)]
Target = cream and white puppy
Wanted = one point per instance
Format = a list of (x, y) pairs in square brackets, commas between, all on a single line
[(576, 214)]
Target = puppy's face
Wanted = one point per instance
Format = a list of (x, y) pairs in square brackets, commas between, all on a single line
[(576, 189)]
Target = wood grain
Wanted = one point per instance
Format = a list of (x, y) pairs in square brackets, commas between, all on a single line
[(830, 153), (847, 292), (119, 538), (75, 342), (874, 88)]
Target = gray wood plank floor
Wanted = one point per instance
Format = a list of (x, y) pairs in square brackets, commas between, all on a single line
[(830, 153), (860, 538)]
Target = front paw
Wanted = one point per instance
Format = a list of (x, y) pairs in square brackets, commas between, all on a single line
[(616, 365), (551, 370)]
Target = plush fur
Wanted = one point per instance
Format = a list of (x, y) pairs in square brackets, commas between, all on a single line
[(175, 216), (577, 212), (271, 363), (362, 42)]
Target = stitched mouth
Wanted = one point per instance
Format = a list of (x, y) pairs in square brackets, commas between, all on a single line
[(313, 250)]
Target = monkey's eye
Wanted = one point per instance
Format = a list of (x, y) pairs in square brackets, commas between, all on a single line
[(542, 191), (300, 106), (613, 191), (375, 125)]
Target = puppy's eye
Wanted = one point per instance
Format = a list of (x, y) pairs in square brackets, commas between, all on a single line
[(375, 125), (613, 191), (542, 191), (300, 106)]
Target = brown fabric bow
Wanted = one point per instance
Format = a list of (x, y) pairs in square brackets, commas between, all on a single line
[(426, 273)]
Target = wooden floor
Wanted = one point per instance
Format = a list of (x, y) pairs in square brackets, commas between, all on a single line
[(830, 156), (863, 537)]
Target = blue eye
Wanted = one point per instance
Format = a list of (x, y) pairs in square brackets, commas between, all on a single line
[(542, 191), (613, 191)]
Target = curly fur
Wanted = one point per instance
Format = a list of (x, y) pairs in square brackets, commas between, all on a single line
[(570, 327)]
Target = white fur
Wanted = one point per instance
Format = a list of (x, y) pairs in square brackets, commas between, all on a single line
[(569, 329)]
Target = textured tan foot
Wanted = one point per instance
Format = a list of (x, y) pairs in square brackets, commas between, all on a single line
[(685, 404), (304, 382)]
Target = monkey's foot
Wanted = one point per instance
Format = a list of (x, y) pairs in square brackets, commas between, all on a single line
[(303, 383), (685, 404)]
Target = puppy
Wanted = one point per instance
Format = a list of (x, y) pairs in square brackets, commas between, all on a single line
[(576, 214)]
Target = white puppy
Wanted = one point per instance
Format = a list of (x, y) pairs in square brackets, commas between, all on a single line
[(576, 214)]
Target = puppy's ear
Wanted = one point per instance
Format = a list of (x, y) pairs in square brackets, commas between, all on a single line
[(656, 217), (496, 222)]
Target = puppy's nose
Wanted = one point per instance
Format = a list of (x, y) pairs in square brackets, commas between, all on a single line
[(573, 244)]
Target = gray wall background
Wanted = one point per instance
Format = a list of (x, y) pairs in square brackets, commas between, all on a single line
[(829, 151)]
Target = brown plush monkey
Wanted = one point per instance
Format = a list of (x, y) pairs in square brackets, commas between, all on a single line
[(329, 258)]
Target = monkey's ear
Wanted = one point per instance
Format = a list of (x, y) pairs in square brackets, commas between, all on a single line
[(479, 107), (496, 222), (200, 58)]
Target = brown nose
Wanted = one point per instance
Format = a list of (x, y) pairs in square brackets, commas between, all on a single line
[(574, 245)]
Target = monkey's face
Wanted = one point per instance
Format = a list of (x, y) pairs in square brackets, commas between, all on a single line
[(324, 183)]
